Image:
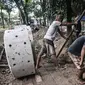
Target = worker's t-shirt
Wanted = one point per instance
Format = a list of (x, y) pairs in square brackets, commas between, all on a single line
[(52, 30), (76, 47)]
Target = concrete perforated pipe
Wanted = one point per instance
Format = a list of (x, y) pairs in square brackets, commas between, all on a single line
[(19, 52)]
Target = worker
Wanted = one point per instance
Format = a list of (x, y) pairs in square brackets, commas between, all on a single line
[(48, 45), (77, 48)]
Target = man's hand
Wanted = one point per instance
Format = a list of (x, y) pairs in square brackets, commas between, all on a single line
[(65, 37), (61, 34), (71, 23), (68, 24)]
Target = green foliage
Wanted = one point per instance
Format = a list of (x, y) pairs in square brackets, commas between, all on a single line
[(78, 6), (48, 8), (1, 4), (27, 1)]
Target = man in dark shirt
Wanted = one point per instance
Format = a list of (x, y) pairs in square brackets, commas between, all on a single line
[(77, 48)]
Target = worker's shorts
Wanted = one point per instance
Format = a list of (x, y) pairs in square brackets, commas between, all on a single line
[(48, 48), (76, 47)]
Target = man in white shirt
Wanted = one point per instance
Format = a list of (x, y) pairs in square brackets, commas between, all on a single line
[(48, 45)]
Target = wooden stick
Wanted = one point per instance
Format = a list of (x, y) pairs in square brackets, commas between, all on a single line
[(65, 43), (75, 60), (2, 53), (81, 16)]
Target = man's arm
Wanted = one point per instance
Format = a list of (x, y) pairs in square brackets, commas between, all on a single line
[(67, 24), (61, 34)]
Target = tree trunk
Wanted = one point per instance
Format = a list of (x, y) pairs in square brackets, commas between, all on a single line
[(53, 9), (25, 11), (26, 14), (83, 5), (9, 20), (21, 12), (40, 21), (44, 19), (69, 16), (21, 21), (44, 10), (2, 17)]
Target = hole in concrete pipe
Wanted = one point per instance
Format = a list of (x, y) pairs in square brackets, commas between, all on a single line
[(16, 36), (28, 61), (13, 58), (10, 45), (24, 42), (14, 64), (18, 53)]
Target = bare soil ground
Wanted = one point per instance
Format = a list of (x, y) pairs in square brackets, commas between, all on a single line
[(65, 73)]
